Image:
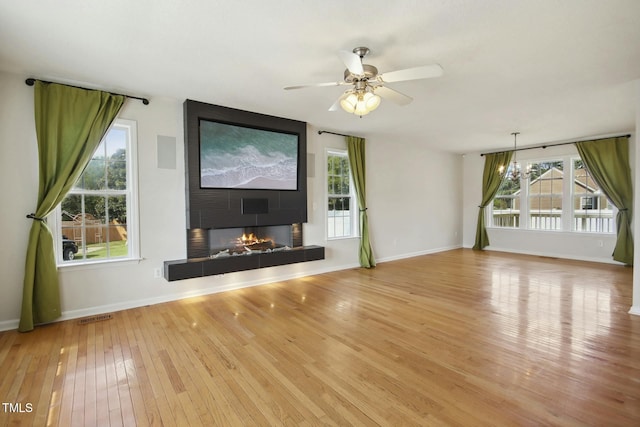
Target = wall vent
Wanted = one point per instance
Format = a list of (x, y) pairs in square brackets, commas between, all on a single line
[(93, 319)]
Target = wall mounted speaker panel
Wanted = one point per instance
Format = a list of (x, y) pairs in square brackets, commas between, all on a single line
[(255, 206), (166, 146), (311, 165)]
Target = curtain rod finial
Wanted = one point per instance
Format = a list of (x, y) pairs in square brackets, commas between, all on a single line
[(30, 81)]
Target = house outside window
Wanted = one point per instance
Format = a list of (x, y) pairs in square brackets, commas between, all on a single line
[(560, 195), (341, 200), (592, 210), (545, 196), (97, 220)]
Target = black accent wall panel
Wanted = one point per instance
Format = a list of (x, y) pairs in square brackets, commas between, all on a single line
[(220, 208)]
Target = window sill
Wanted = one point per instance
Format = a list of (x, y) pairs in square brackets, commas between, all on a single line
[(72, 266), (331, 239), (534, 230)]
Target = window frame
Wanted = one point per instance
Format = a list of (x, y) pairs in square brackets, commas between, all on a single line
[(54, 220), (354, 221), (568, 199)]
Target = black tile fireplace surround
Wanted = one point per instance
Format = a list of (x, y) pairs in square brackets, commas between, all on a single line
[(201, 267)]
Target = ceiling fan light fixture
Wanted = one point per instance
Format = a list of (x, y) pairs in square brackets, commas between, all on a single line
[(361, 107), (371, 100), (349, 101), (368, 85), (360, 102)]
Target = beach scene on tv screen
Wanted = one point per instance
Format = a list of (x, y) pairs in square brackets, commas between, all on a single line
[(240, 157)]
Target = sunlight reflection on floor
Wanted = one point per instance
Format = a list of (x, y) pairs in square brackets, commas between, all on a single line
[(550, 312)]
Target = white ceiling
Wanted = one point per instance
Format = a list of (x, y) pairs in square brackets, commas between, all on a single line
[(555, 70)]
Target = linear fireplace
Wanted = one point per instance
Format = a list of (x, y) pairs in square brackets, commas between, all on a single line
[(216, 242), (250, 240)]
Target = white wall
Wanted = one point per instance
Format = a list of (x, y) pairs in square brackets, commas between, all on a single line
[(635, 306), (411, 190), (414, 199), (19, 177), (580, 246)]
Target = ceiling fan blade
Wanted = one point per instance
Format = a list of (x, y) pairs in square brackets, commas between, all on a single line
[(335, 105), (424, 72), (352, 61), (317, 85), (393, 95)]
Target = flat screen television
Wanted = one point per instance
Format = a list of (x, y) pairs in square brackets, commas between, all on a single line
[(242, 157)]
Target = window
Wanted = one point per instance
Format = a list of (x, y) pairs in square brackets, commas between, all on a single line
[(592, 211), (506, 204), (546, 195), (560, 194), (341, 210), (97, 219)]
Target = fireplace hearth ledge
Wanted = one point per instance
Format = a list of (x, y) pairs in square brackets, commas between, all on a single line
[(202, 267)]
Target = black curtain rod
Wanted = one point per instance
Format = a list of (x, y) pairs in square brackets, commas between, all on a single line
[(320, 132), (31, 82), (555, 145)]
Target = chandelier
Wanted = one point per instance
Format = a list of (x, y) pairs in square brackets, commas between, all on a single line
[(513, 172), (361, 100)]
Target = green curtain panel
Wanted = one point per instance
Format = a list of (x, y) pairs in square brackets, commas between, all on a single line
[(491, 180), (607, 160), (356, 150), (70, 123)]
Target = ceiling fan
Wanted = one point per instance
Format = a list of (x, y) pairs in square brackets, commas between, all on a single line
[(368, 85)]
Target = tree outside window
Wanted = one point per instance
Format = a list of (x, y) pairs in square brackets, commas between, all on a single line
[(340, 196), (94, 218), (506, 204)]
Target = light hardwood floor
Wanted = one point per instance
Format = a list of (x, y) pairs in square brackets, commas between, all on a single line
[(456, 338)]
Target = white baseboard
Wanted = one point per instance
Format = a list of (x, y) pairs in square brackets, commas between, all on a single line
[(635, 310), (419, 253), (554, 255), (8, 325), (109, 308)]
